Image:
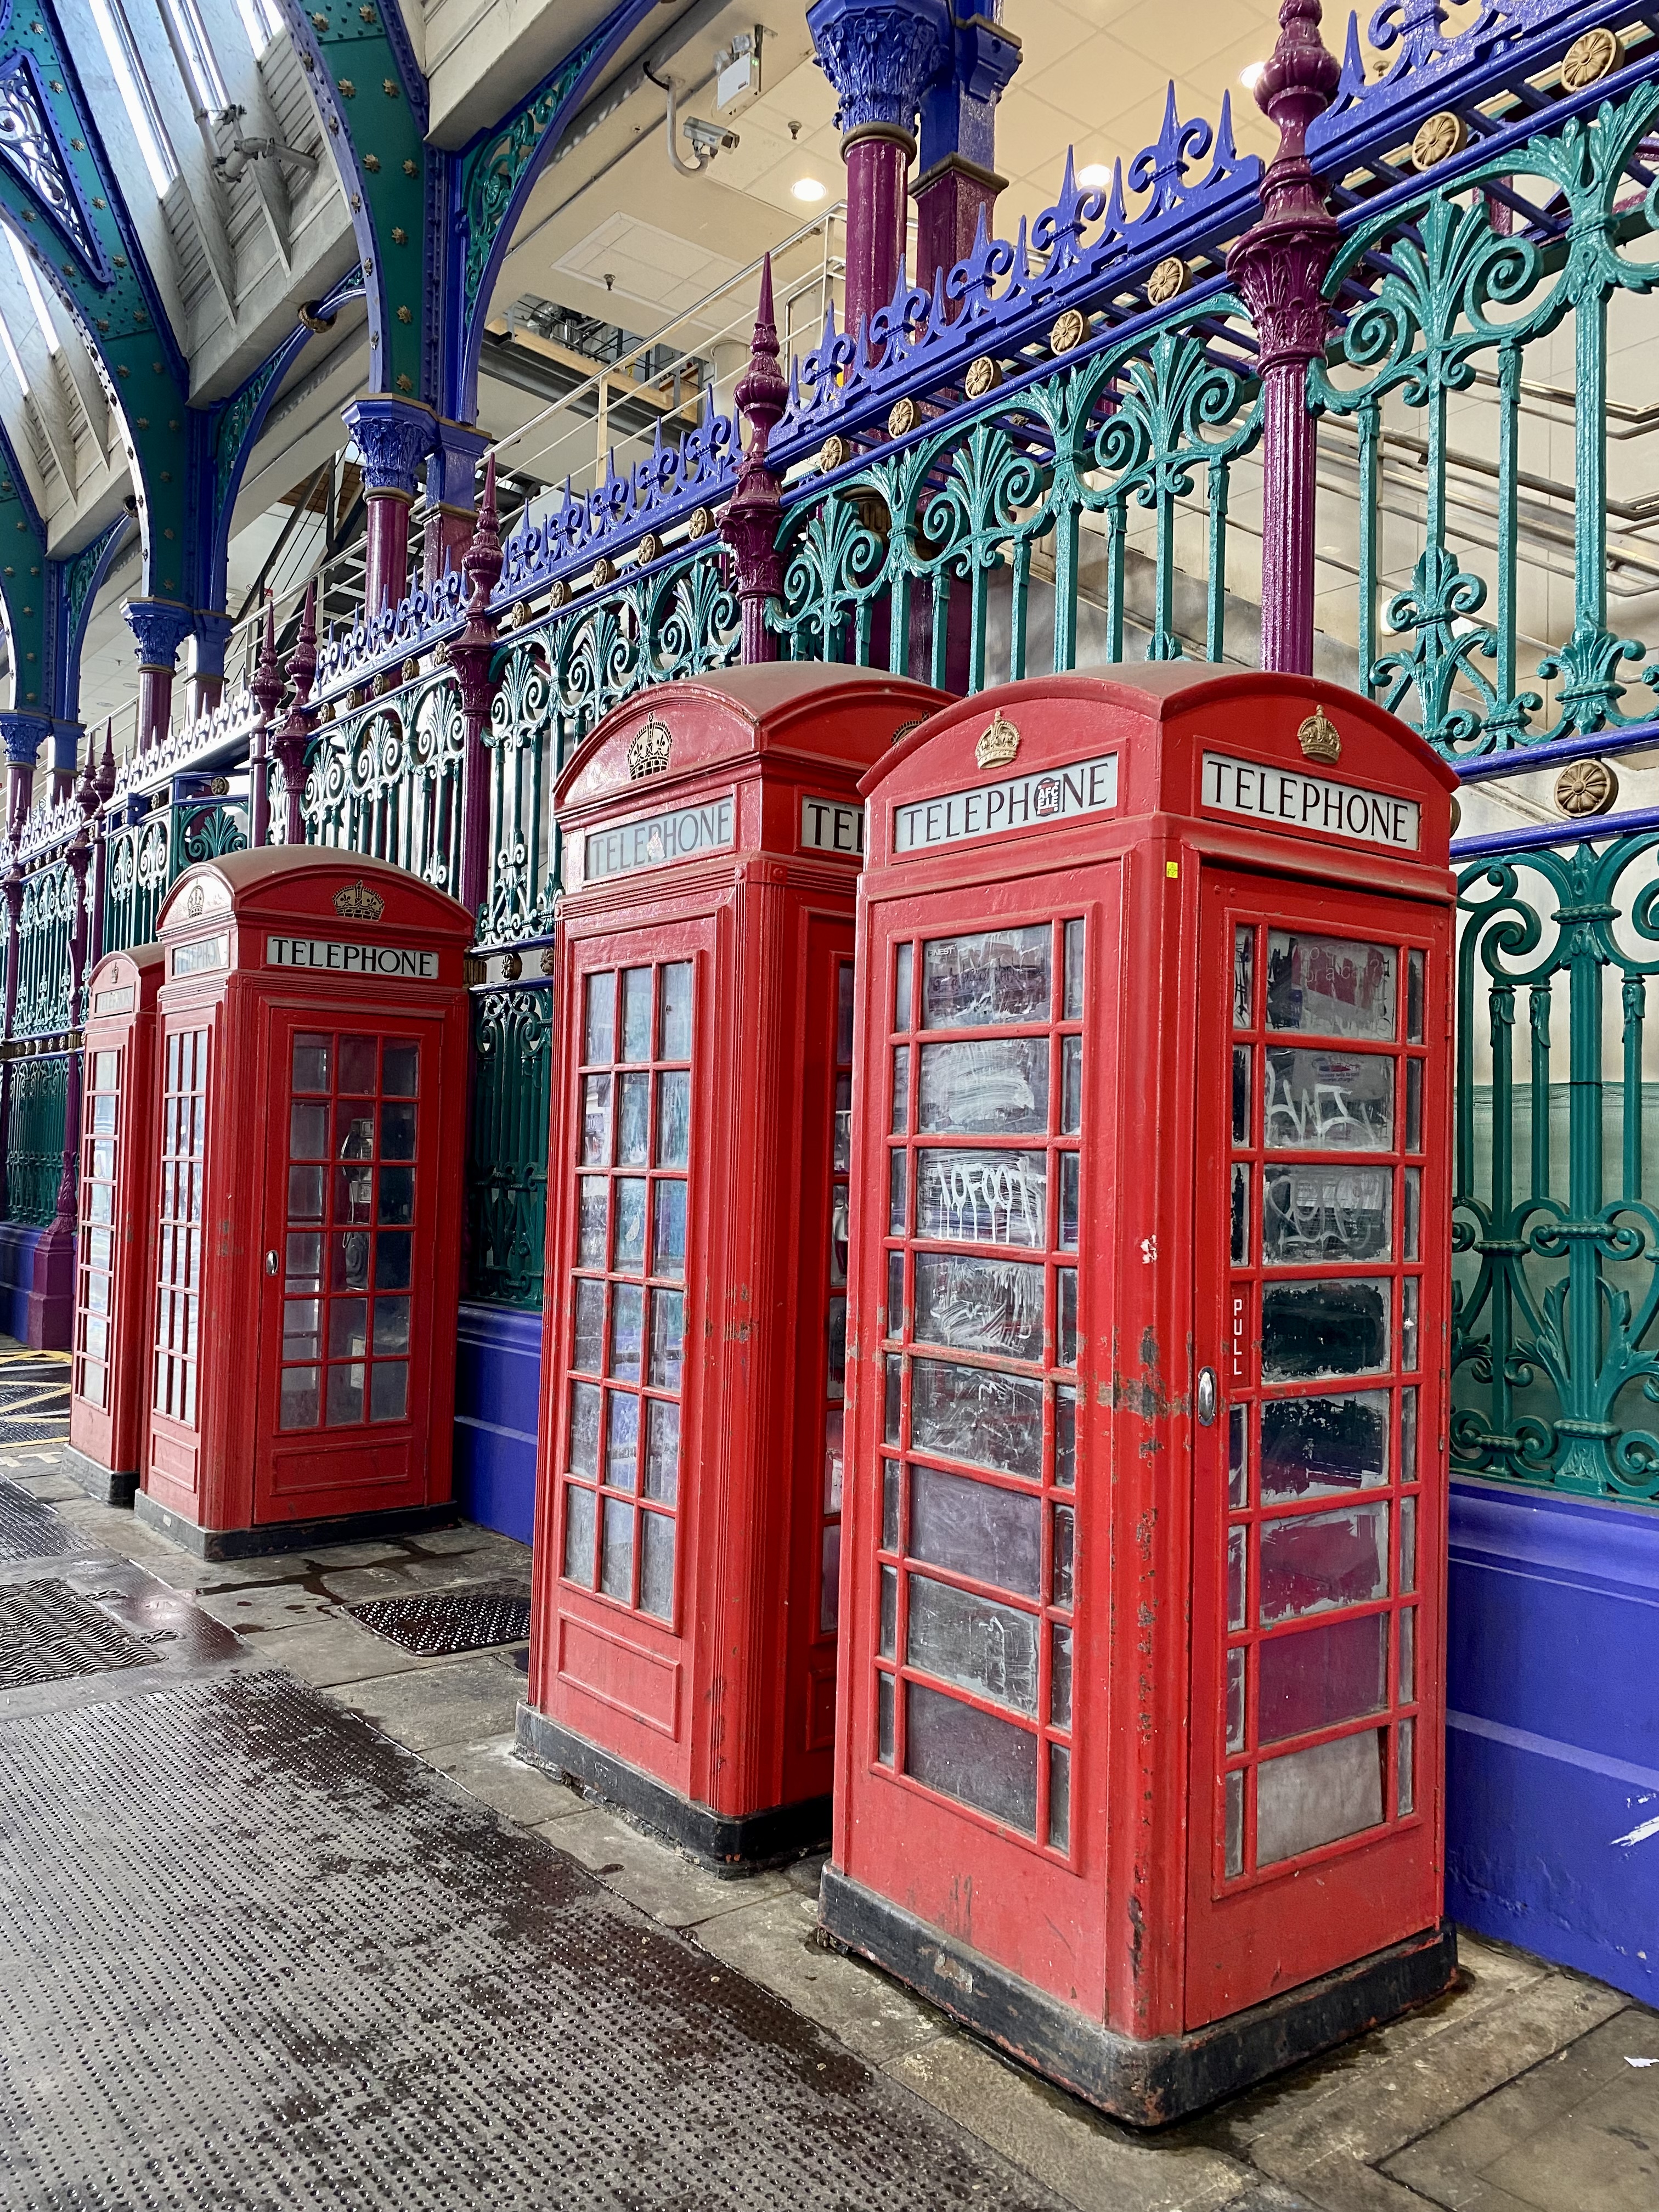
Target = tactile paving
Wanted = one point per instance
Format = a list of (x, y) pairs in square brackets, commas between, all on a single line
[(436, 1623), (51, 1633), (288, 1966), (28, 1529)]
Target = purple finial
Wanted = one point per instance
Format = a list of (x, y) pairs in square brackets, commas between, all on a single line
[(267, 686), (302, 661), (106, 765), (1299, 83), (482, 563), (750, 525)]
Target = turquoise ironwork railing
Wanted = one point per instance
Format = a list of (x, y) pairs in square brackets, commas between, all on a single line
[(506, 1154), (386, 781), (137, 871), (45, 922), (39, 1105)]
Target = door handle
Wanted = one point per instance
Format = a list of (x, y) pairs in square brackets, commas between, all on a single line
[(270, 1263), (1207, 1397)]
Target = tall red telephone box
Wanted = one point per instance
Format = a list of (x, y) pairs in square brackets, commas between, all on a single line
[(1140, 1770), (311, 1108), (110, 1375), (687, 1531)]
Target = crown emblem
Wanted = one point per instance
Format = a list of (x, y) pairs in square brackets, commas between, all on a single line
[(647, 750), (356, 903), (195, 900), (997, 744), (1318, 738)]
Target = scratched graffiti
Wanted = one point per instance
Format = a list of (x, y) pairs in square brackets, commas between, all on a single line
[(1328, 1102), (991, 976), (984, 1198), (999, 1087), (980, 1305), (1325, 1212)]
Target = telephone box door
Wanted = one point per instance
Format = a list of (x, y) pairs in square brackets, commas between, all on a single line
[(351, 1214), (1319, 1491)]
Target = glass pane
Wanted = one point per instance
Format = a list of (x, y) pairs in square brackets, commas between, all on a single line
[(1240, 1094), (596, 1119), (587, 1334), (835, 1458), (1234, 1846), (599, 1030), (1065, 1522), (105, 1066), (302, 1262), (305, 1193), (1327, 1102), (1071, 1092), (400, 1067), (675, 1032), (1068, 1201), (103, 1115), (901, 1120), (983, 1198), (662, 1450), (1415, 981), (1311, 1797), (1313, 1446), (1060, 1676), (622, 1440), (971, 1755), (1319, 1212), (312, 1055), (1409, 1289), (578, 1535), (1235, 1701), (668, 1231), (617, 1555), (1238, 1456), (895, 1294), (397, 1127), (996, 1087), (1408, 1436), (976, 1414), (842, 1149), (395, 1202), (633, 1121), (388, 1390), (390, 1325), (1320, 1676), (1238, 1240), (835, 1373), (890, 1423), (1066, 1337), (969, 1528), (1406, 1778), (657, 1566), (885, 1719), (1060, 1798), (637, 1014), (1319, 1560), (1414, 1105), (979, 1305), (673, 1120), (668, 1337), (1073, 1008), (307, 1131), (994, 975), (1408, 1545), (300, 1402), (1064, 1437), (358, 1066), (889, 1505), (347, 1328), (1411, 1230), (1243, 978), (887, 1631), (844, 1002), (1235, 1541), (895, 1192), (584, 1429), (902, 993), (627, 1331), (1330, 986), (346, 1396), (628, 1232), (973, 1642), (1309, 1330), (1407, 1656), (590, 1224)]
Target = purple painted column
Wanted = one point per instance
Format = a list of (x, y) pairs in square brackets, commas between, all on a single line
[(267, 686), (958, 183), (880, 55), (393, 436), (206, 687), (451, 480), (1279, 266), (750, 525), (471, 656), (160, 626), (291, 739)]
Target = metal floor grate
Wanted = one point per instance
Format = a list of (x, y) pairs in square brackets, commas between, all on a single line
[(29, 1530), (435, 1623), (51, 1633)]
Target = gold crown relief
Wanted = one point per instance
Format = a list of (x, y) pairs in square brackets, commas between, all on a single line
[(648, 749), (999, 742), (1318, 738), (356, 903)]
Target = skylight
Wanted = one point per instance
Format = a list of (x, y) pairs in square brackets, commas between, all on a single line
[(198, 54), (12, 357), (37, 297), (137, 97)]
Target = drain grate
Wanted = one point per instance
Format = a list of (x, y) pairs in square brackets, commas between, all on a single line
[(28, 1529), (50, 1633), (439, 1622)]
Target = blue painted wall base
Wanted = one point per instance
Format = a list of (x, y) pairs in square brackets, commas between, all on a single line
[(36, 1285), (17, 1246), (1552, 1729), (498, 1376)]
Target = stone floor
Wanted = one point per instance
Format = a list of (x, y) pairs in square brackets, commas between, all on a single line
[(582, 2017)]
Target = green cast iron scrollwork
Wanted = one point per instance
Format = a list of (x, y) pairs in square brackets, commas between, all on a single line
[(506, 1159), (38, 1107)]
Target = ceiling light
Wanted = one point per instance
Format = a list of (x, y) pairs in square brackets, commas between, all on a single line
[(1096, 173), (1251, 75), (808, 188)]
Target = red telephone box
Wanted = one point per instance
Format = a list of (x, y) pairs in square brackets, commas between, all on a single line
[(111, 1300), (311, 1091), (688, 1527), (1139, 1770)]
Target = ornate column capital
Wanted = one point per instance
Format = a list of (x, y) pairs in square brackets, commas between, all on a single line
[(161, 627), (880, 56), (212, 633), (394, 436), (23, 734), (959, 106)]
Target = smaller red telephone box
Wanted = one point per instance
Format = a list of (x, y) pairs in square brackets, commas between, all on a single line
[(1139, 1764), (110, 1373), (688, 1529), (311, 1111)]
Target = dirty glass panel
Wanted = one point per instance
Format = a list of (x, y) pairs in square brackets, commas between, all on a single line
[(1327, 1102), (983, 1198), (890, 1422), (616, 1554), (995, 1086), (673, 1119), (1244, 977), (1064, 1539), (668, 1231), (1408, 1323), (588, 1331), (977, 1414), (1060, 1676), (1414, 980), (901, 992), (1319, 1560), (971, 1755), (836, 1382), (897, 1191), (578, 1535), (657, 1566), (1408, 1545), (972, 1528), (1235, 1701), (1066, 1337), (662, 1450), (1073, 1006), (596, 1121), (627, 1331), (599, 1028), (633, 1119), (628, 1247), (990, 976), (835, 1459), (1311, 1447), (889, 1505), (1408, 1655), (839, 1228), (1060, 1796), (1312, 1330), (829, 1580), (896, 1294), (674, 1030), (972, 1641), (901, 1090), (1234, 1861), (1065, 1437), (1238, 1456), (584, 1429), (1240, 1094), (589, 1228), (667, 1337), (1317, 1212), (1311, 1797), (1068, 1201), (1235, 1540), (637, 1014), (979, 1305), (1405, 1781), (885, 1719), (1071, 1097), (1330, 986), (887, 1641), (1408, 1436), (1320, 1676), (842, 1149), (622, 1440), (1239, 1239), (1411, 1225), (1414, 1105)]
